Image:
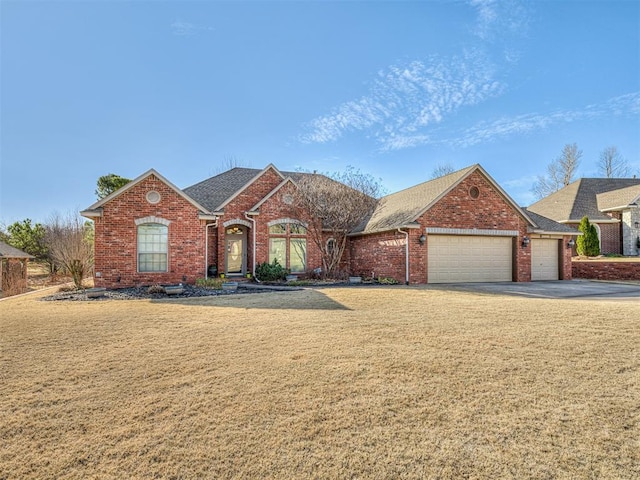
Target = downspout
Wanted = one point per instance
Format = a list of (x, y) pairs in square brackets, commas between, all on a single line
[(206, 246), (406, 255), (253, 255)]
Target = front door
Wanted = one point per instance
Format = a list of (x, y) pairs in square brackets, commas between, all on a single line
[(235, 251)]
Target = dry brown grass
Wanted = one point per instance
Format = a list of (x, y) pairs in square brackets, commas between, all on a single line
[(334, 383)]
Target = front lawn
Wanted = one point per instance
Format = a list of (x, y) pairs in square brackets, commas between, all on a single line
[(367, 382)]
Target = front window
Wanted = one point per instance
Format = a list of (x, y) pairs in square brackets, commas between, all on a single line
[(288, 245), (152, 247)]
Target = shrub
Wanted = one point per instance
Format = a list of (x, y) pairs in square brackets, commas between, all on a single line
[(588, 243), (387, 281), (213, 283), (270, 272), (153, 289)]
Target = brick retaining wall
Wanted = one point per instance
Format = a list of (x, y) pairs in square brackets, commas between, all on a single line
[(606, 270)]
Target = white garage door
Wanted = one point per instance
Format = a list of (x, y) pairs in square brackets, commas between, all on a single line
[(459, 258), (544, 259)]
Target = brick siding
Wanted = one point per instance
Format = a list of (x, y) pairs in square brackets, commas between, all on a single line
[(116, 237), (601, 270), (384, 253), (272, 209)]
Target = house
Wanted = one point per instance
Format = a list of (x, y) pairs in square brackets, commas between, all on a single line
[(611, 204), (459, 227), (13, 269)]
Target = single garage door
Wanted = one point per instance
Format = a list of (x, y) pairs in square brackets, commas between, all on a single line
[(544, 259), (460, 258)]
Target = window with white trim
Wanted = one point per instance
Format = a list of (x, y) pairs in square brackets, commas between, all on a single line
[(153, 239), (288, 245)]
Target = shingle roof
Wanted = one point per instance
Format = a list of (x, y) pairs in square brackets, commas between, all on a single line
[(213, 192), (402, 208), (95, 210), (622, 197), (549, 226), (579, 199), (7, 251)]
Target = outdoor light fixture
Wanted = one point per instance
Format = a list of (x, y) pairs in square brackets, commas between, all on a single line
[(422, 239), (525, 241), (571, 243), (637, 224)]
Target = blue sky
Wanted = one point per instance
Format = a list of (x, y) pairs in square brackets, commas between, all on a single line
[(393, 88)]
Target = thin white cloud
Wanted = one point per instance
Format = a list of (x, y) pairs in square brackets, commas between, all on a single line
[(405, 102), (404, 99), (628, 104), (497, 19), (182, 28)]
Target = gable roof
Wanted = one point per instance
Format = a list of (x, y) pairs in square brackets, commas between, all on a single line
[(579, 199), (257, 206), (546, 225), (402, 209), (7, 251), (618, 199), (218, 191), (214, 191), (95, 210)]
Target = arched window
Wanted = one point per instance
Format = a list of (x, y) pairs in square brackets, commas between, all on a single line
[(153, 239), (288, 245)]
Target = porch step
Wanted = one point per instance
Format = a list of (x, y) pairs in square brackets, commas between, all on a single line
[(228, 278)]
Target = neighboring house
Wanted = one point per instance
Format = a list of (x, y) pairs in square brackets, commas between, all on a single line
[(460, 227), (13, 269), (612, 204)]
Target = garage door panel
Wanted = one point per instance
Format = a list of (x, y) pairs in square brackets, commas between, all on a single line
[(544, 259), (459, 258)]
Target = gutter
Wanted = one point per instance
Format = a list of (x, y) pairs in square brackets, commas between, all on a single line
[(406, 254), (249, 216), (206, 246)]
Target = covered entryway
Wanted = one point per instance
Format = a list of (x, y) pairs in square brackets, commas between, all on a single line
[(235, 250), (469, 258), (544, 259)]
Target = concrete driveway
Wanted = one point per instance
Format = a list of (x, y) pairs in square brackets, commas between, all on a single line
[(559, 289)]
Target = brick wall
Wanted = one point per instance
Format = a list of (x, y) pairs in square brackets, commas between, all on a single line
[(489, 211), (381, 255), (610, 236), (116, 237), (274, 208), (566, 271), (602, 270), (608, 233), (384, 253), (236, 209)]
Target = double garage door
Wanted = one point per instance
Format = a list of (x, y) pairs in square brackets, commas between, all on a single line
[(476, 258), (470, 258)]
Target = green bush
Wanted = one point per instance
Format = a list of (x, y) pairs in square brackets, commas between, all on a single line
[(386, 281), (270, 272), (213, 283), (588, 243)]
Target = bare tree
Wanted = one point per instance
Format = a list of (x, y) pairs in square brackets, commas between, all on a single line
[(560, 172), (336, 205), (229, 162), (613, 165), (69, 240), (442, 169)]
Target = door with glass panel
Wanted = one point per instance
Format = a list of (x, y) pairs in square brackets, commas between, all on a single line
[(235, 251)]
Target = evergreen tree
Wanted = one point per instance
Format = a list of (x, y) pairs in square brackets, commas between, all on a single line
[(588, 243), (107, 184)]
